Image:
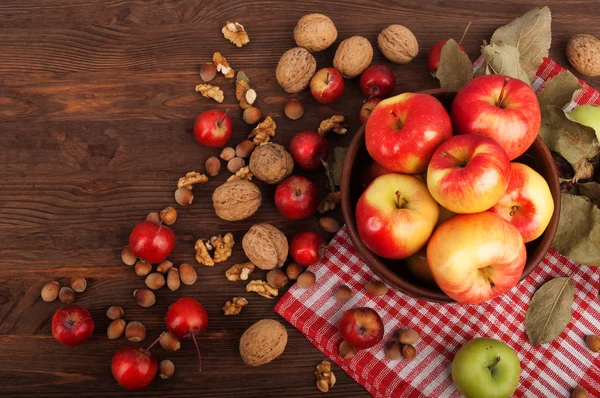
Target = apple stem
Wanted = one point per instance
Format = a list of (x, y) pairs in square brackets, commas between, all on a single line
[(222, 118), (464, 34), (513, 210), (198, 351), (492, 366), (154, 343), (401, 202), (445, 154), (332, 184), (500, 102), (397, 118), (327, 78)]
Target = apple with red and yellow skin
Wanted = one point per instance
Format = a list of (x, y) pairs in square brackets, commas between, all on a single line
[(527, 203), (476, 257), (403, 131), (395, 215), (362, 327), (499, 107), (327, 85), (468, 173)]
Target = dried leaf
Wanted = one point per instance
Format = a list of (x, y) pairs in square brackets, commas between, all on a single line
[(578, 232), (550, 310), (455, 69), (336, 161), (591, 190), (503, 59), (241, 75), (531, 35), (560, 90)]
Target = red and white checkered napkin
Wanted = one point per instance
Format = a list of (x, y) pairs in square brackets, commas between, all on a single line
[(550, 370)]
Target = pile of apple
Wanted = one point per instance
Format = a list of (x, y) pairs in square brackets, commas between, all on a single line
[(444, 192)]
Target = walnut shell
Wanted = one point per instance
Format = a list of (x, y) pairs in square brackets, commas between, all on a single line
[(295, 69), (271, 163), (583, 52), (398, 44), (315, 32), (353, 56), (263, 342), (265, 246), (236, 200)]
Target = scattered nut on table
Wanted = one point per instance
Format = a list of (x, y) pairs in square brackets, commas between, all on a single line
[(239, 272), (262, 288), (234, 306), (325, 377)]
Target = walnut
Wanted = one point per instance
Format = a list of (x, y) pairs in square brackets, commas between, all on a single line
[(325, 377), (398, 44), (236, 200), (235, 33), (335, 124), (223, 246), (330, 202), (242, 174), (263, 342), (234, 306), (266, 246), (223, 66), (239, 272), (353, 56), (271, 163), (210, 91), (315, 32), (262, 288), (202, 254), (295, 69), (263, 131), (192, 178), (583, 52)]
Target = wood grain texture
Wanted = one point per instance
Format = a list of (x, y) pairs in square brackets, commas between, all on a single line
[(96, 125)]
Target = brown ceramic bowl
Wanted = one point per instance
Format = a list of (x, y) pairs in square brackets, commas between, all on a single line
[(394, 271)]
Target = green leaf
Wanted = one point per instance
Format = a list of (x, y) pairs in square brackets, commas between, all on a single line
[(336, 161), (560, 90), (531, 34), (503, 59), (591, 190), (578, 232), (455, 69), (550, 310)]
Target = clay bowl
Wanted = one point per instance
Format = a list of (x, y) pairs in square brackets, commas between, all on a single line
[(394, 271)]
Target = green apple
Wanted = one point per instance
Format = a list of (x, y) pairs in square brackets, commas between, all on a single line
[(486, 368), (588, 115)]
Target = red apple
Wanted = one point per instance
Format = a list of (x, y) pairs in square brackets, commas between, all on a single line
[(213, 128), (367, 108), (403, 132), (418, 267), (433, 59), (396, 215), (499, 107), (134, 367), (186, 319), (309, 150), (296, 197), (468, 173), (72, 325), (362, 327), (476, 257), (527, 203), (327, 85), (306, 248), (371, 172), (377, 81), (151, 242)]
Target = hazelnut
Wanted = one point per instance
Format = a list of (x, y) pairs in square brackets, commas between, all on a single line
[(407, 336), (164, 267), (168, 215), (293, 271), (393, 350), (276, 278), (251, 115), (116, 329), (376, 288), (235, 164), (315, 32), (187, 273), (115, 312), (127, 256), (583, 52), (353, 56), (398, 44), (329, 224), (78, 284), (579, 392), (184, 196), (295, 69), (155, 280), (142, 268), (169, 342), (166, 369), (294, 109), (244, 148), (66, 295), (227, 153), (306, 280), (343, 294), (213, 166), (153, 217), (593, 343), (346, 350), (144, 297), (135, 332), (50, 291), (408, 352), (208, 71), (173, 281)]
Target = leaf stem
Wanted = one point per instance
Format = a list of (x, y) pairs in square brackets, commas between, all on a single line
[(464, 34)]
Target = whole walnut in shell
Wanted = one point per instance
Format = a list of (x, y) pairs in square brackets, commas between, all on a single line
[(295, 69), (398, 44), (236, 200), (353, 56), (583, 52), (263, 342), (265, 246), (271, 163), (315, 32)]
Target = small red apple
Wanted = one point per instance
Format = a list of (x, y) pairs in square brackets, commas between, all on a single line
[(306, 248), (309, 150), (433, 59), (367, 108), (186, 319), (296, 197), (371, 172), (134, 367), (72, 325), (362, 327), (377, 81), (327, 85), (213, 128), (151, 242)]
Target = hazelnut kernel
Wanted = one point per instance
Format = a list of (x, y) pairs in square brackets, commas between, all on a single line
[(277, 278), (66, 295), (293, 270), (144, 297), (393, 350), (127, 256), (227, 153), (407, 336), (169, 342), (343, 294), (166, 369), (244, 148), (184, 196), (347, 350), (173, 281), (168, 215), (115, 312), (153, 217), (78, 284), (135, 332), (155, 280), (235, 164), (187, 274), (408, 352), (142, 268), (50, 291), (306, 280), (116, 329), (376, 288), (164, 267), (251, 115), (294, 109)]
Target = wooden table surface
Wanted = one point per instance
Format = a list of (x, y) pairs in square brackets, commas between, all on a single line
[(97, 106)]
